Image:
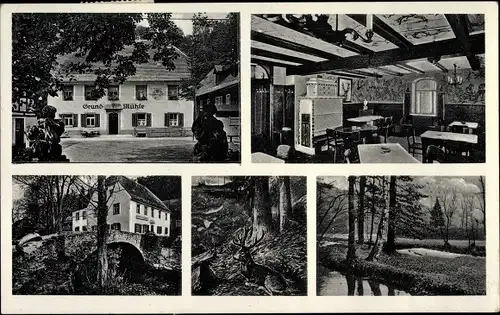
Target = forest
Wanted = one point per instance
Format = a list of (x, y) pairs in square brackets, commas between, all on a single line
[(419, 235), (42, 216), (249, 236)]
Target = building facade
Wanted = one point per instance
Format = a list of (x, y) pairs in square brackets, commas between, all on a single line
[(131, 208), (221, 87), (146, 104)]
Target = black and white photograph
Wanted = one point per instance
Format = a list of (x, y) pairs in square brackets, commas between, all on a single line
[(401, 235), (126, 87), (249, 235), (368, 88), (96, 235)]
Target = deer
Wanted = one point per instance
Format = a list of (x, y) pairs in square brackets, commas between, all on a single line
[(257, 275)]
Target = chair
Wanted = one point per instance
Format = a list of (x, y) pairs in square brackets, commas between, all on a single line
[(455, 151), (411, 139), (365, 112), (386, 127), (434, 153), (350, 156), (374, 138), (334, 140)]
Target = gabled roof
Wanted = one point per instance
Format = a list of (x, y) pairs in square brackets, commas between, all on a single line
[(209, 82), (150, 71), (137, 192)]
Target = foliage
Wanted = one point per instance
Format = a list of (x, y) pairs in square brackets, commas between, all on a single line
[(164, 187), (212, 42), (437, 217), (39, 40), (332, 204)]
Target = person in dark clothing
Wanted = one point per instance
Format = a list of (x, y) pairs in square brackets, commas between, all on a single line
[(212, 145)]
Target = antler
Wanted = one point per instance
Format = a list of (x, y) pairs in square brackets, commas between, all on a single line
[(242, 237), (258, 241)]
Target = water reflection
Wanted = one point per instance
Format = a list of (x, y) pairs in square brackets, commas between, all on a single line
[(336, 283)]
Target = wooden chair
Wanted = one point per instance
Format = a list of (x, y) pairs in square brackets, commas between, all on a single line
[(350, 156), (434, 153), (457, 152), (387, 127), (413, 145), (334, 140)]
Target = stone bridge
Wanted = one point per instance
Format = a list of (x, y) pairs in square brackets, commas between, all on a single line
[(156, 251)]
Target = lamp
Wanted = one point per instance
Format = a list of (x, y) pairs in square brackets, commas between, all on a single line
[(317, 25), (365, 105), (456, 79)]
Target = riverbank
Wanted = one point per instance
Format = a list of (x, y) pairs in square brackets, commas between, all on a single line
[(426, 275)]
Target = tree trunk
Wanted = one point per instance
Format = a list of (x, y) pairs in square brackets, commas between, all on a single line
[(351, 284), (375, 252), (361, 210), (262, 222), (361, 292), (285, 206), (390, 245), (373, 211), (351, 251), (102, 214), (375, 286)]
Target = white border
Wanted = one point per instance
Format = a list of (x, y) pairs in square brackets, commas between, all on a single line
[(186, 303)]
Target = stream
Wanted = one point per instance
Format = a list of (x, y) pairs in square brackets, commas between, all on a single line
[(336, 283)]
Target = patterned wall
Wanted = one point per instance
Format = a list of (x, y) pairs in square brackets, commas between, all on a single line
[(391, 88)]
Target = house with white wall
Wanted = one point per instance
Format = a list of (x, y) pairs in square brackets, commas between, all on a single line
[(132, 207)]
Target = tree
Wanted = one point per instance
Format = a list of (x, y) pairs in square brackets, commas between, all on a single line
[(449, 203), (437, 218), (482, 201), (379, 240), (331, 205), (375, 200), (164, 187), (361, 209), (285, 202), (261, 208), (390, 245), (469, 221), (212, 42), (351, 250), (94, 39), (102, 230)]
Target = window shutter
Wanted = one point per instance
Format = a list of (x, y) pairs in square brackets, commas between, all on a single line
[(167, 122), (97, 120), (148, 119), (84, 120), (407, 103), (181, 119), (75, 120), (134, 120)]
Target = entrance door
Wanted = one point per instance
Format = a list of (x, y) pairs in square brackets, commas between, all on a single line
[(113, 123), (19, 132)]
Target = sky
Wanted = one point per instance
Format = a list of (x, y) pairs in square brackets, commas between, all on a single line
[(187, 25)]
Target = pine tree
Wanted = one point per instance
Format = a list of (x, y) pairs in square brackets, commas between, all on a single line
[(437, 218)]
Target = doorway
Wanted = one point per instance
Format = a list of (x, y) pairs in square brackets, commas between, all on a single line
[(19, 132), (113, 123)]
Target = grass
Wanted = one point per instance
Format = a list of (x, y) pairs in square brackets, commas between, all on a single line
[(424, 275)]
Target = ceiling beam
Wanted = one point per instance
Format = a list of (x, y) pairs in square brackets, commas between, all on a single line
[(279, 56), (283, 43), (383, 30), (347, 74), (458, 23), (448, 48), (271, 63), (403, 65), (364, 73), (397, 74), (435, 62)]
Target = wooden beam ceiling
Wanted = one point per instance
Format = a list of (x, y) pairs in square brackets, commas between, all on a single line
[(271, 63), (365, 73), (450, 47), (283, 43), (274, 55), (459, 25), (383, 30), (435, 63), (394, 73), (403, 65)]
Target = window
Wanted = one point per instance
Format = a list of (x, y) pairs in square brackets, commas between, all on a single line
[(152, 228), (68, 92), (141, 119), (77, 229), (173, 119), (173, 92), (90, 93), (424, 100), (145, 210), (90, 120), (141, 92), (116, 226), (218, 100), (84, 215), (228, 99), (77, 216), (152, 212), (68, 120), (158, 230), (137, 228), (138, 208), (84, 228), (159, 214), (114, 93), (145, 228), (116, 208)]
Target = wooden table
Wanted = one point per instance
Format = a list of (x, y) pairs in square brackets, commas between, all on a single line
[(364, 119), (374, 153), (439, 137), (471, 125), (259, 157)]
